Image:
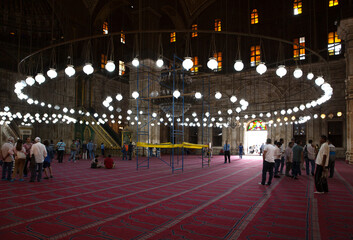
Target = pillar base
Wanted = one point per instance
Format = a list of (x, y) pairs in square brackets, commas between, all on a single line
[(349, 157)]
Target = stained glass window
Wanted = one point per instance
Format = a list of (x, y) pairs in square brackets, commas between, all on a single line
[(172, 37), (297, 7), (255, 55), (195, 60), (122, 37), (299, 51), (217, 25), (334, 44), (218, 57), (194, 28), (254, 17), (103, 60), (105, 28), (257, 125), (332, 3)]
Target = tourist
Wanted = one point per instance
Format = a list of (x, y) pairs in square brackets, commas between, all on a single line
[(283, 148), (60, 146), (78, 149), (73, 149), (277, 156), (47, 160), (84, 150), (297, 159), (241, 150), (109, 162), (321, 166), (268, 162), (289, 158), (90, 150), (20, 160), (124, 150), (102, 149), (95, 163), (332, 158), (226, 149), (130, 150), (7, 156), (309, 155), (27, 146), (39, 152), (262, 148)]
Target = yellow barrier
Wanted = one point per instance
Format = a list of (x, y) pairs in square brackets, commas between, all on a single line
[(170, 145)]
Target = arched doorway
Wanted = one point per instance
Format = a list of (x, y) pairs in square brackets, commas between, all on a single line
[(255, 135)]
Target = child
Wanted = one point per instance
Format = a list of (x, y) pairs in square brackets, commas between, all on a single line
[(109, 162), (94, 163)]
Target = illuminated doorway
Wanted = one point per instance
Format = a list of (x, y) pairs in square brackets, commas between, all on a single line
[(255, 136)]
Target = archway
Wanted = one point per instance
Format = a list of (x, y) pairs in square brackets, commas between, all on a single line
[(255, 135)]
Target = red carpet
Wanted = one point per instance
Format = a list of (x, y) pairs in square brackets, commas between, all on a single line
[(223, 201)]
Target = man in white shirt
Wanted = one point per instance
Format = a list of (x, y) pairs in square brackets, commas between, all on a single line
[(268, 162), (322, 160), (7, 156), (39, 152), (310, 153)]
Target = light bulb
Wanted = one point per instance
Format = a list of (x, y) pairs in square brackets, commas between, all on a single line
[(110, 66), (40, 78), (212, 63), (230, 111), (261, 68), (238, 109), (233, 99), (187, 63), (119, 97), (319, 81), (198, 95), (310, 76), (135, 62), (88, 69), (52, 73), (218, 95), (176, 94), (238, 65), (70, 70), (135, 94), (30, 80), (281, 71), (160, 62), (298, 73)]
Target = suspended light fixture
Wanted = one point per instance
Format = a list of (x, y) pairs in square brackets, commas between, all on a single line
[(135, 94), (110, 66), (135, 62), (319, 81), (238, 65), (339, 114), (30, 80), (176, 93), (70, 70), (230, 111), (310, 76), (218, 95), (52, 73), (302, 107), (212, 63), (281, 71), (160, 62), (119, 97), (238, 109), (187, 63), (298, 73), (198, 95), (261, 68), (233, 99), (88, 69)]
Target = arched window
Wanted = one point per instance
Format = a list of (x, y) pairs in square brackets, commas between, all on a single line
[(257, 125), (254, 17)]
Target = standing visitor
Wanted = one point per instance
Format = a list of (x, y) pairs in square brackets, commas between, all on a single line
[(332, 158), (124, 150), (288, 154), (309, 155), (47, 160), (73, 149), (84, 150), (268, 162), (277, 158), (7, 156), (39, 152), (283, 149), (78, 149), (61, 150), (241, 150), (130, 150), (262, 148), (297, 159), (321, 166), (90, 150), (226, 149), (27, 146), (20, 160), (102, 149)]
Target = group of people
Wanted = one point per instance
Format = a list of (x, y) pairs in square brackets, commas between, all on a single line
[(18, 158), (294, 156), (78, 150)]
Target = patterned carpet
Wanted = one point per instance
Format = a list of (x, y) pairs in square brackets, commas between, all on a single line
[(223, 201)]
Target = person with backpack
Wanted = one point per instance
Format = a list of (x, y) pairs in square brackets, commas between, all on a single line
[(309, 156)]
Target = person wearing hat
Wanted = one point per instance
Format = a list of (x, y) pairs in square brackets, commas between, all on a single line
[(7, 156), (39, 152)]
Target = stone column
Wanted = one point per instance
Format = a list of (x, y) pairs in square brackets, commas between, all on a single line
[(345, 32)]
